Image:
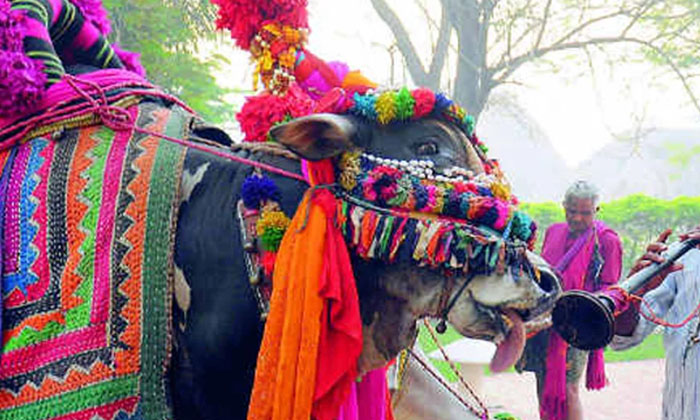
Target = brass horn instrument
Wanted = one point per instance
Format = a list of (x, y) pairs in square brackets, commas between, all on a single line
[(585, 320)]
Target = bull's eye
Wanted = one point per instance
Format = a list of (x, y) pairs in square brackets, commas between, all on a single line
[(428, 148)]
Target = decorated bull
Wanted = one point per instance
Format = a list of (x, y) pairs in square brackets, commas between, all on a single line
[(140, 249)]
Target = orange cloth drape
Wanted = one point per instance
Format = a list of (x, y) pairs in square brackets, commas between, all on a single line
[(286, 369), (313, 334)]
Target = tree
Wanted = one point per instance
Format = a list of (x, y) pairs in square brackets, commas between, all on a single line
[(495, 38), (166, 33)]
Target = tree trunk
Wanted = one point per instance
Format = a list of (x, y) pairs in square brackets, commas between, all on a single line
[(470, 87)]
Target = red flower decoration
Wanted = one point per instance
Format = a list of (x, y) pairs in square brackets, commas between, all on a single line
[(263, 111), (245, 18)]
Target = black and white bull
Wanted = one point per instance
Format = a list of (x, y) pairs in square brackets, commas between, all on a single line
[(217, 324)]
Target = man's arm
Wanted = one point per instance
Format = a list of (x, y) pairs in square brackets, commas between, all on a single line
[(629, 333), (660, 292), (611, 250), (631, 328)]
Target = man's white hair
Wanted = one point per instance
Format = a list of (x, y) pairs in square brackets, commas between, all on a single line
[(582, 190)]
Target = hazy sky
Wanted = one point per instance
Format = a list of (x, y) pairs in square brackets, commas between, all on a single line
[(577, 114)]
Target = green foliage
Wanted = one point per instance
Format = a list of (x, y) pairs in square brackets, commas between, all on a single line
[(166, 32), (545, 214), (638, 219)]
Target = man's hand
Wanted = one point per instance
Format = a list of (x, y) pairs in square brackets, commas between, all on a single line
[(694, 233), (653, 255)]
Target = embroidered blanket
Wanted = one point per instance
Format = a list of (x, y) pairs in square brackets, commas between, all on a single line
[(87, 235)]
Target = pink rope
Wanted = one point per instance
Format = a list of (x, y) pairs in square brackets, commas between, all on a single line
[(119, 119)]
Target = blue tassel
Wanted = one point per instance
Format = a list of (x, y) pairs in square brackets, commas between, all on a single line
[(256, 189)]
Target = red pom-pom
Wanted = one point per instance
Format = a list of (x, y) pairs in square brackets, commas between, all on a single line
[(268, 263), (425, 102), (261, 112), (245, 18)]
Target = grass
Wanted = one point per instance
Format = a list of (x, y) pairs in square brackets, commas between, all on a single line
[(650, 348)]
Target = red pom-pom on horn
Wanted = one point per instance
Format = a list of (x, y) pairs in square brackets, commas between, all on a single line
[(245, 18)]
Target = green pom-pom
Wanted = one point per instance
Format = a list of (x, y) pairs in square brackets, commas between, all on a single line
[(521, 226), (470, 123), (404, 104), (271, 238)]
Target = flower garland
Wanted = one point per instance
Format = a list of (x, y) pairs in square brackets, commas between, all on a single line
[(274, 49)]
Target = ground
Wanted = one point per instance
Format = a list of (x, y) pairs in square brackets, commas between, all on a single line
[(636, 379), (634, 393)]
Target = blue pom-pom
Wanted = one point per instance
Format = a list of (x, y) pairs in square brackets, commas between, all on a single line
[(257, 189), (421, 195), (486, 192), (442, 102), (364, 106)]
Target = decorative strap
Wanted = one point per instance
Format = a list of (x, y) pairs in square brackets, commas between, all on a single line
[(260, 283)]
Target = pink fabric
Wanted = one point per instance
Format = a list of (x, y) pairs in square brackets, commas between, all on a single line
[(367, 399), (350, 410), (105, 223), (316, 85), (371, 395), (86, 38), (12, 229), (51, 350), (572, 256), (57, 7)]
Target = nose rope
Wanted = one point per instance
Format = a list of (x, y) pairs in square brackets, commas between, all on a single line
[(442, 325)]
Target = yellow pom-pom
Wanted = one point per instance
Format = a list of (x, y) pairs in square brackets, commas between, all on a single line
[(501, 191), (386, 107), (349, 166), (271, 219)]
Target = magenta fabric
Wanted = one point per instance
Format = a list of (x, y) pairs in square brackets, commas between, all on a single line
[(316, 86), (23, 80), (572, 256), (62, 91), (367, 399), (350, 410)]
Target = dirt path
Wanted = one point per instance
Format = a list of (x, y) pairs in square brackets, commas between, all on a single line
[(634, 393)]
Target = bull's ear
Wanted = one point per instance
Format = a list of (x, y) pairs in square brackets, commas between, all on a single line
[(317, 136)]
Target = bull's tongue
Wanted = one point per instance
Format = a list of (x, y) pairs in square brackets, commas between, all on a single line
[(510, 349)]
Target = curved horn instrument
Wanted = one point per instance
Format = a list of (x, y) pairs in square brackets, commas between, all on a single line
[(585, 320)]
